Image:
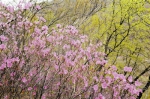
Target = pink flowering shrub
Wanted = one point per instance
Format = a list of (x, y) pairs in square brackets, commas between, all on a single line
[(39, 63)]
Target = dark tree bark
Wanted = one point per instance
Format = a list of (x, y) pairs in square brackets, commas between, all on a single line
[(144, 89)]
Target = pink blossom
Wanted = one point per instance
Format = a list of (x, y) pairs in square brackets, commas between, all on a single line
[(56, 67), (6, 97), (15, 59), (122, 77), (104, 62), (44, 28), (115, 93), (24, 80), (32, 72), (37, 30), (42, 19), (12, 74), (27, 5), (134, 90), (45, 87), (66, 46), (2, 46), (116, 75), (85, 81), (9, 63), (127, 86), (130, 79), (58, 25), (1, 84), (34, 93), (128, 69), (100, 96), (137, 83), (43, 96), (104, 85), (58, 84), (65, 71), (20, 24), (50, 39), (98, 62), (88, 49), (38, 7), (10, 8), (95, 78), (30, 88), (109, 79), (45, 51), (95, 87), (114, 68), (108, 72), (2, 66)]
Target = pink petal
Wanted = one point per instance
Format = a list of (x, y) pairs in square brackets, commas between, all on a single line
[(95, 87), (137, 83), (128, 69)]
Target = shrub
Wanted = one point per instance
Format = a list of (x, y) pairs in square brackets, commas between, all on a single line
[(36, 62)]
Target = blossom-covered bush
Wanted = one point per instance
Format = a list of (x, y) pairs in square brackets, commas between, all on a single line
[(59, 63)]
